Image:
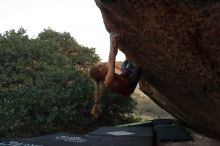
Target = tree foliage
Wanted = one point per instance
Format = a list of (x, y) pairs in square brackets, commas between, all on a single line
[(45, 87)]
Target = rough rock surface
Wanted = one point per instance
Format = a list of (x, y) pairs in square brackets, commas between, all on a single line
[(177, 43)]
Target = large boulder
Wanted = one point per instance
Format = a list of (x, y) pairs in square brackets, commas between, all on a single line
[(177, 43)]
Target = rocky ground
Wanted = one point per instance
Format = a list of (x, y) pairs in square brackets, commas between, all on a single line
[(146, 109)]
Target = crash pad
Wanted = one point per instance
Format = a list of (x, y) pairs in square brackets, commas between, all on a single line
[(110, 136), (142, 134)]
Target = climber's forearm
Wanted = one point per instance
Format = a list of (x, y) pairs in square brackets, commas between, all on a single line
[(114, 38), (111, 67)]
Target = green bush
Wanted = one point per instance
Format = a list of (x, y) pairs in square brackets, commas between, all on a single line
[(116, 109), (45, 86)]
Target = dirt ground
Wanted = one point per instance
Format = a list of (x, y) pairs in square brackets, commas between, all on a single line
[(147, 110)]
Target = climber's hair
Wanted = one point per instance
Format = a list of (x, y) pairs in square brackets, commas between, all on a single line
[(97, 73)]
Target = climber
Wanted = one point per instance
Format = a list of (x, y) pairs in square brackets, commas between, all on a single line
[(123, 83), (129, 72), (104, 73)]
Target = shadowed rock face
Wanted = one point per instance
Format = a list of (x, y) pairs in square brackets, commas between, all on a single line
[(178, 46)]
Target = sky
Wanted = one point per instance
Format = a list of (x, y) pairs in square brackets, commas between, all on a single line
[(81, 18)]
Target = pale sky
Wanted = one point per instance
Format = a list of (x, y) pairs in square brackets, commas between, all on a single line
[(82, 18)]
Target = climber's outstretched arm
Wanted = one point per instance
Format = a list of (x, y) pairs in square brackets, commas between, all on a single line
[(114, 39)]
